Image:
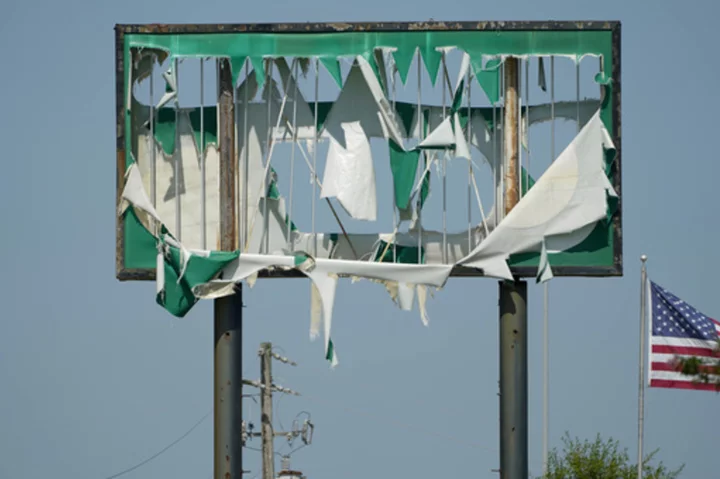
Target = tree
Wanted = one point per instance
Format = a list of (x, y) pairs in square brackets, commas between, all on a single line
[(703, 370), (600, 459)]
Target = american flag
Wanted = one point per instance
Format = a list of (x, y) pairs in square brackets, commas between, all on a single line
[(678, 330)]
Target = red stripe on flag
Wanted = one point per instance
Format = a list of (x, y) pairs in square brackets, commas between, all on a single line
[(667, 383), (660, 366), (685, 350), (676, 368)]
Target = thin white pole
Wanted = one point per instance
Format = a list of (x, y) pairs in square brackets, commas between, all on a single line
[(246, 158), (527, 124), (314, 158), (153, 171), (238, 162), (496, 164), (577, 93), (270, 141), (394, 205), (203, 218), (471, 174), (444, 171), (519, 123), (238, 186), (501, 160), (177, 154), (546, 293), (290, 238), (421, 128), (641, 376)]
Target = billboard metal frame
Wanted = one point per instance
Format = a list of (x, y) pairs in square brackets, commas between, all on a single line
[(615, 269)]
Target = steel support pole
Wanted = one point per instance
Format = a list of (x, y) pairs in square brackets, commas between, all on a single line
[(513, 307), (228, 310), (228, 386), (513, 381)]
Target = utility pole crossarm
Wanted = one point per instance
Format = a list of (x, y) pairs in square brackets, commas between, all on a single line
[(283, 359), (274, 387), (277, 434), (281, 389)]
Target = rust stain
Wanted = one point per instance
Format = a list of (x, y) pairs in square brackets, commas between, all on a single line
[(510, 135), (119, 223), (156, 28), (340, 27), (226, 128), (120, 158), (427, 26)]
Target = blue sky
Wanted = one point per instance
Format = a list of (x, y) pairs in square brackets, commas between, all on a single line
[(95, 377)]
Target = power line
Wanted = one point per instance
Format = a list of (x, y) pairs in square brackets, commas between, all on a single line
[(260, 450), (187, 433), (277, 407)]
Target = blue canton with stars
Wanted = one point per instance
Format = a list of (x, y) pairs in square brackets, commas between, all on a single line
[(673, 317)]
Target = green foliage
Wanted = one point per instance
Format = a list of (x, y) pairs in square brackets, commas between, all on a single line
[(600, 459), (703, 370)]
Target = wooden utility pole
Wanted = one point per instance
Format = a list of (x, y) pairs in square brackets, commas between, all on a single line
[(268, 453), (227, 310), (267, 432), (513, 308)]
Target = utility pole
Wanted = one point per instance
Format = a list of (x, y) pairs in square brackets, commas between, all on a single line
[(267, 432), (268, 459), (513, 308), (227, 442)]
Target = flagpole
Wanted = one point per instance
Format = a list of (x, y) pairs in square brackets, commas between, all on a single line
[(546, 378), (641, 378)]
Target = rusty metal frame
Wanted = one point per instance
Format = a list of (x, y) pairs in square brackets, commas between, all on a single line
[(616, 269)]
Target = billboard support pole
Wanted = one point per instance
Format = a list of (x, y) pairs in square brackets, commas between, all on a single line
[(513, 309), (227, 442)]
